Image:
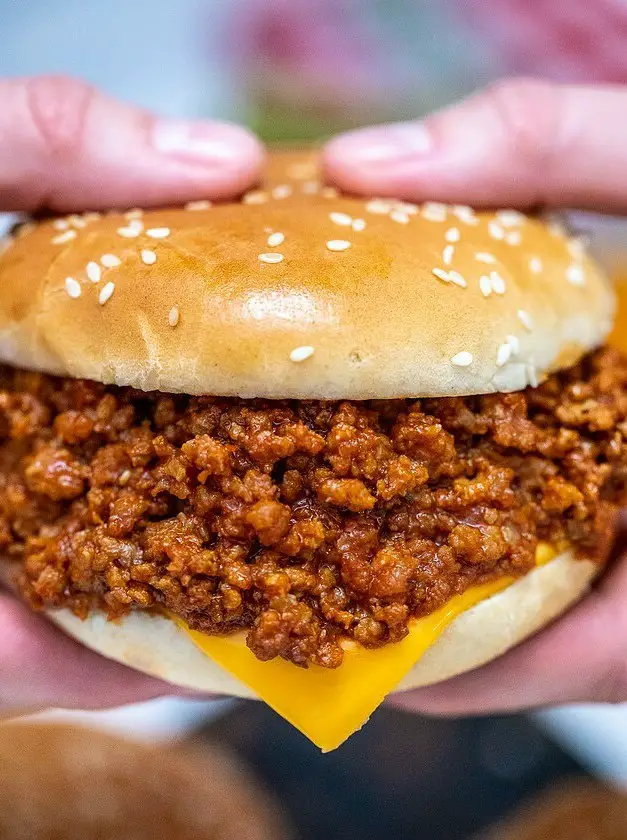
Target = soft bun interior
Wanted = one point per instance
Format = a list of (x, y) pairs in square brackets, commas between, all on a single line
[(156, 646)]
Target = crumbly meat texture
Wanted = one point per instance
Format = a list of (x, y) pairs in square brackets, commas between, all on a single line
[(301, 522)]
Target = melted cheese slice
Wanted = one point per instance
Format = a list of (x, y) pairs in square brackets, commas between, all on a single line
[(328, 705)]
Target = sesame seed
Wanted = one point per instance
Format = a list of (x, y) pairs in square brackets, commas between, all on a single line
[(271, 258), (66, 236), (77, 221), (310, 187), (525, 319), (92, 216), (463, 359), (503, 354), (440, 274), (110, 261), (556, 228), (299, 171), (329, 192), (576, 247), (575, 275), (60, 224), (430, 216), (452, 235), (513, 342), (158, 233), (128, 232), (379, 206), (532, 376), (300, 354), (433, 211), (135, 213), (125, 477), (94, 272), (458, 279), (485, 285), (276, 239), (148, 257), (359, 225), (72, 287), (105, 293), (495, 230), (483, 256), (400, 217), (510, 218), (198, 205), (512, 237), (447, 254), (173, 316), (28, 227), (465, 214), (498, 284), (342, 219), (435, 207), (406, 207), (338, 245), (282, 191), (535, 265), (255, 197)]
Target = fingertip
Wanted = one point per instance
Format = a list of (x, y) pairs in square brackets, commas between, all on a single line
[(338, 168), (228, 157), (367, 161), (64, 146)]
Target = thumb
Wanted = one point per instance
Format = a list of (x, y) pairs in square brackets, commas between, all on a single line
[(64, 145), (519, 142)]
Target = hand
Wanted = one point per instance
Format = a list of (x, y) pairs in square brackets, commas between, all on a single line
[(64, 146), (522, 144)]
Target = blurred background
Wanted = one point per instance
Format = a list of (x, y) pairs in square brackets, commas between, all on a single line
[(300, 70)]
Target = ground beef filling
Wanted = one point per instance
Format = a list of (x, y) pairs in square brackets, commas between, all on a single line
[(300, 522)]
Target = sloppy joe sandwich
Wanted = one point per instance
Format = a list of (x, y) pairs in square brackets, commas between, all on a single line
[(306, 447)]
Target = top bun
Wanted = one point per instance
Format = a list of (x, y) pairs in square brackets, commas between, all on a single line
[(297, 292)]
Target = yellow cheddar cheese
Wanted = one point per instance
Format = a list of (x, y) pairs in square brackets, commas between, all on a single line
[(328, 705)]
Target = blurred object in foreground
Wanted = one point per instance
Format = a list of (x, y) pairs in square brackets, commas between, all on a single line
[(78, 784), (571, 810)]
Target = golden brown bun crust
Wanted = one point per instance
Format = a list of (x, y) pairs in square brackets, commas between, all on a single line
[(158, 647), (380, 323)]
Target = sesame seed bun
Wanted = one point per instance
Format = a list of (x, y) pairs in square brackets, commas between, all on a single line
[(297, 292), (156, 645)]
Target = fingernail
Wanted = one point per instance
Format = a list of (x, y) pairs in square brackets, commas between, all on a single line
[(202, 142), (385, 145)]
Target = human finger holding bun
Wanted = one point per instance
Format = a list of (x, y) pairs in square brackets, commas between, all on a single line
[(316, 447), (526, 143), (64, 147)]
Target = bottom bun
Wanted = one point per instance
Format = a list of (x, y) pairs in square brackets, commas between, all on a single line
[(155, 645)]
